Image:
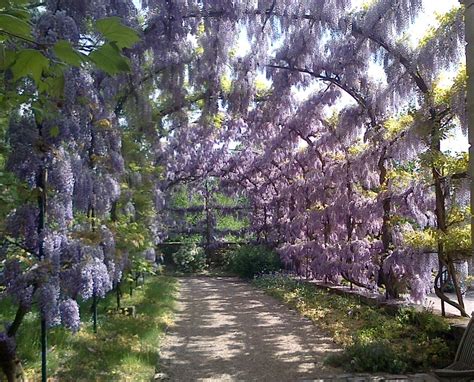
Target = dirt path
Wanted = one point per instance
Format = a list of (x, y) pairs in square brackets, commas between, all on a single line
[(226, 330)]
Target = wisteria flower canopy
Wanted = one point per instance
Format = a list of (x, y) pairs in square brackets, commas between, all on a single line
[(324, 114)]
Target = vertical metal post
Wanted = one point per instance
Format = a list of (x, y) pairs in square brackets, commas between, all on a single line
[(94, 312), (442, 281), (118, 294), (208, 216), (44, 346)]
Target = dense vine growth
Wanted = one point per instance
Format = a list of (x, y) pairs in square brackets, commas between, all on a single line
[(324, 114)]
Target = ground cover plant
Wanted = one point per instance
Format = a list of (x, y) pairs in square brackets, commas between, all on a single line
[(125, 347), (373, 339)]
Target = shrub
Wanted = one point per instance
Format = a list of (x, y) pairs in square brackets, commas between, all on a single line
[(374, 357), (219, 257), (190, 258), (380, 355), (248, 261), (431, 325)]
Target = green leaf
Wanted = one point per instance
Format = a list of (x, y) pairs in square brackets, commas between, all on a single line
[(114, 31), (39, 113), (15, 26), (54, 131), (66, 53), (29, 62), (20, 13), (109, 59), (20, 2), (53, 85), (7, 57), (3, 57)]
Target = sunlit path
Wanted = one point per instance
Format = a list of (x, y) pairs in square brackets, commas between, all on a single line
[(226, 330)]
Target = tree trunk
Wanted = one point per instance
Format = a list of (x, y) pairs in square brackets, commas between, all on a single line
[(118, 294), (439, 290), (9, 361), (441, 220), (387, 279), (10, 364)]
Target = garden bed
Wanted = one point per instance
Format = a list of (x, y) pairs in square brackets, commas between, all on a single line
[(374, 339), (125, 347)]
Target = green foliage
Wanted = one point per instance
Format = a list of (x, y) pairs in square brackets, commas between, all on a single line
[(443, 94), (115, 32), (456, 240), (33, 61), (12, 191), (374, 357), (455, 164), (432, 325), (14, 26), (140, 266), (194, 218), (247, 261), (226, 84), (367, 4), (231, 222), (229, 238), (446, 163), (131, 236), (424, 240), (125, 347), (67, 54), (263, 90), (187, 239), (109, 59), (444, 20), (29, 62), (394, 126), (184, 198), (190, 258), (224, 200), (357, 148)]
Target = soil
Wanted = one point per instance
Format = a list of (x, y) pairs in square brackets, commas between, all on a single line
[(227, 330)]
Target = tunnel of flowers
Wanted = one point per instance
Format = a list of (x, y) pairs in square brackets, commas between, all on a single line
[(332, 131)]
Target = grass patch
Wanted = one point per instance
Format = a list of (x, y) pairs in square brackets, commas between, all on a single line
[(373, 340), (125, 348)]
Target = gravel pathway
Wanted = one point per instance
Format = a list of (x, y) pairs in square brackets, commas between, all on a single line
[(226, 330)]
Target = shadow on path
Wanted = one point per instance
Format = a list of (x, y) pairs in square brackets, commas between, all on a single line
[(226, 330)]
